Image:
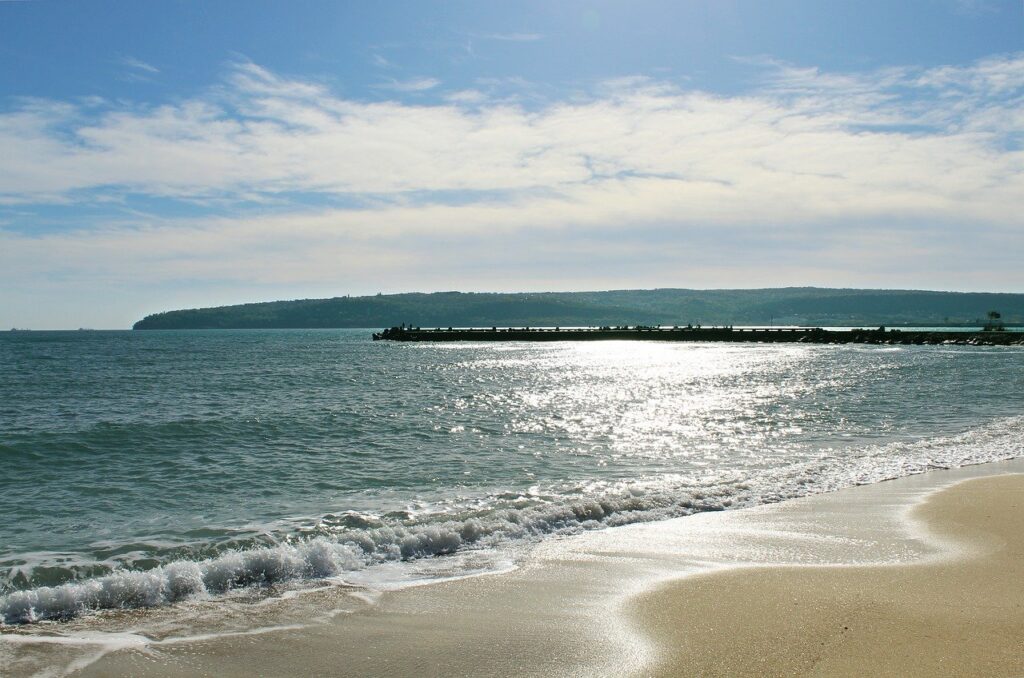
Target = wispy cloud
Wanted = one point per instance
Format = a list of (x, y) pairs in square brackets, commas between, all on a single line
[(511, 37), (466, 96), (137, 64), (412, 85), (995, 76), (250, 79)]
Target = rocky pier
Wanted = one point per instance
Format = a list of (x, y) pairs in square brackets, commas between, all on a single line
[(772, 335)]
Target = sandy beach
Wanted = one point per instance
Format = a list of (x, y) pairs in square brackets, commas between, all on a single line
[(958, 617), (916, 576)]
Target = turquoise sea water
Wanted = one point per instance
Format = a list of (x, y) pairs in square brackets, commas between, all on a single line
[(141, 468)]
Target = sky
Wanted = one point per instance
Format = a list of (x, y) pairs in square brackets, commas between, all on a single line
[(169, 155)]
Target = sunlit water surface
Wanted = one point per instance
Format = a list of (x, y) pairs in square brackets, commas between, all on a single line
[(140, 468)]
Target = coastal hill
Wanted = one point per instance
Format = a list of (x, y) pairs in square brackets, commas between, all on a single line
[(782, 306)]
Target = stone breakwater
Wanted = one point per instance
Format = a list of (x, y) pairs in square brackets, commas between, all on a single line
[(803, 335)]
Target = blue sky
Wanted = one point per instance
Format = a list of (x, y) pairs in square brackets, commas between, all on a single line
[(166, 155)]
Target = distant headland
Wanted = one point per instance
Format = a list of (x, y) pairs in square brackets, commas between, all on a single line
[(764, 307)]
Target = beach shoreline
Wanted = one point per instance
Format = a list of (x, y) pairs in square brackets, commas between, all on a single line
[(593, 604), (959, 615)]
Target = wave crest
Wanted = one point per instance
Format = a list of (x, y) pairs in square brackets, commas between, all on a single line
[(376, 541)]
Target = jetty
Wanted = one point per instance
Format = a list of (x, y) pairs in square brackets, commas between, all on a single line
[(769, 335)]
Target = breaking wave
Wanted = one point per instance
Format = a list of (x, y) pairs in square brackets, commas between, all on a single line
[(338, 546)]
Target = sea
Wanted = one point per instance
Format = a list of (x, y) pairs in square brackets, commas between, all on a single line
[(140, 469)]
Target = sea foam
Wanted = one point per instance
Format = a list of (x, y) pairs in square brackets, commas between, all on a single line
[(350, 549)]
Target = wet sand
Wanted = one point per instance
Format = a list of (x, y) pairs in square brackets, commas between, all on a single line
[(959, 617), (885, 585)]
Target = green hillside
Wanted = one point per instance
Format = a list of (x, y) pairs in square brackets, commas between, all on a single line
[(792, 305)]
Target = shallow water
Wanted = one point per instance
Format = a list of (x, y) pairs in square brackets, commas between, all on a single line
[(141, 468)]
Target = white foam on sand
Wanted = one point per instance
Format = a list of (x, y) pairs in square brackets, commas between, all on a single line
[(574, 589)]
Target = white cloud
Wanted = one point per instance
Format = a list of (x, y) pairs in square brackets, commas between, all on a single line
[(800, 149), (137, 64), (466, 96), (812, 177), (413, 85), (250, 79), (994, 76)]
